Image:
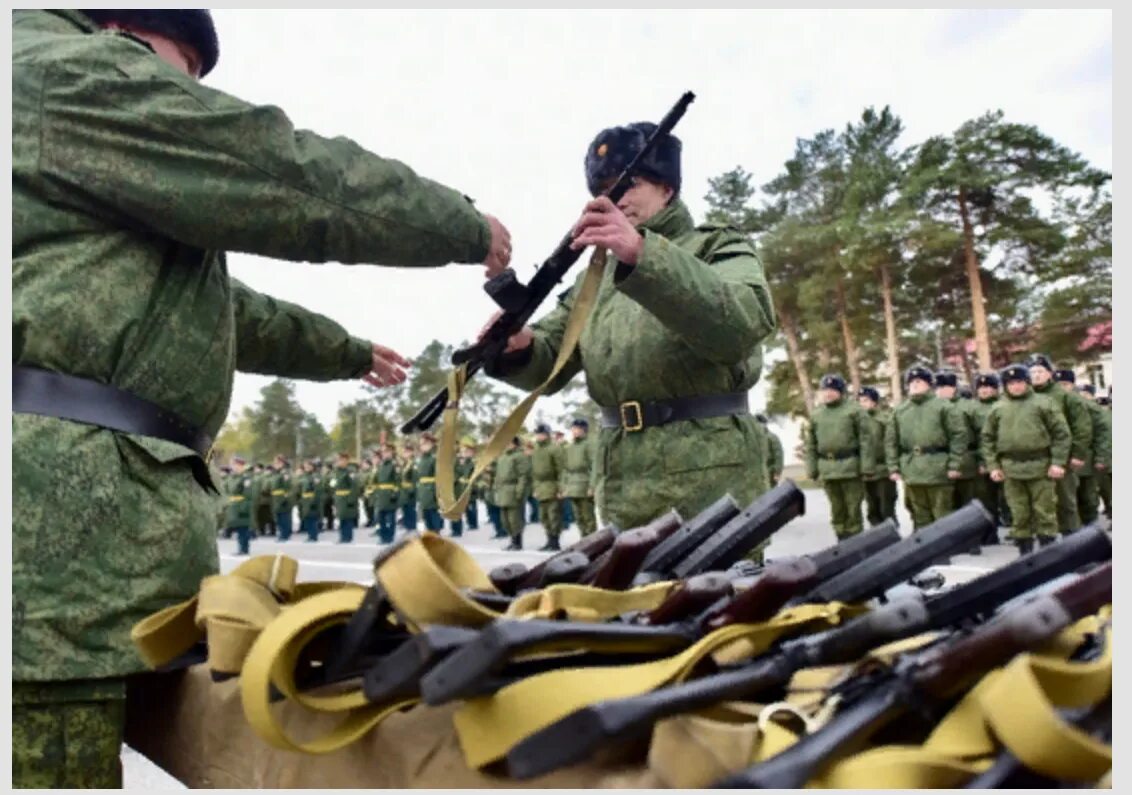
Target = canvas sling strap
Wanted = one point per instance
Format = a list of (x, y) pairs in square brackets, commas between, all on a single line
[(453, 506)]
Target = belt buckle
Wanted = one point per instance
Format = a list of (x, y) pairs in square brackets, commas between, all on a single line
[(635, 406), (917, 450)]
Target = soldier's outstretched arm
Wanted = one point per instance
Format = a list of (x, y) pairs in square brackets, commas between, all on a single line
[(130, 135), (720, 307), (275, 337)]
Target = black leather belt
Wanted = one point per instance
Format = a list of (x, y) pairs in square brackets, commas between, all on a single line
[(635, 415), (925, 450), (68, 397), (1032, 455), (842, 455)]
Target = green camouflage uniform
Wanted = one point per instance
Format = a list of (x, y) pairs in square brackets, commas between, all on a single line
[(926, 438), (1076, 413), (511, 483), (880, 491), (966, 486), (1104, 479), (578, 481), (1023, 436), (546, 472), (1088, 499), (130, 180), (689, 319), (840, 452), (987, 491)]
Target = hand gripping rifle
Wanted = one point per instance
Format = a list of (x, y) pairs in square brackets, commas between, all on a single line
[(520, 302), (580, 733)]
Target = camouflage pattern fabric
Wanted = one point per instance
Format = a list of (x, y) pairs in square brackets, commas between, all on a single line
[(774, 457), (1076, 412), (546, 471), (926, 439), (1033, 504), (584, 513), (839, 442), (512, 473), (929, 504), (1024, 435), (880, 500), (845, 497), (689, 319), (130, 180), (68, 735)]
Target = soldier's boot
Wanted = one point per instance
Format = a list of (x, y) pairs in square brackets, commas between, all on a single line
[(516, 543), (1045, 541), (457, 529), (551, 545), (1025, 545)]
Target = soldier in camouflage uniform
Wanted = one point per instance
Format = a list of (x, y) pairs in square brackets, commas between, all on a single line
[(463, 467), (774, 452), (924, 447), (512, 476), (578, 475), (987, 491), (880, 491), (673, 345), (407, 497), (1100, 455), (546, 476), (567, 507), (1076, 415), (426, 484), (130, 179), (487, 489), (308, 502), (387, 480), (840, 453), (1104, 468), (281, 497), (1026, 444), (528, 496), (947, 389)]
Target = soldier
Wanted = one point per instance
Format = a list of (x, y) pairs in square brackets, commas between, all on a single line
[(672, 347), (947, 389), (924, 447), (528, 496), (487, 490), (1104, 468), (1026, 444), (387, 478), (346, 490), (281, 503), (1076, 415), (546, 475), (309, 502), (880, 491), (326, 494), (262, 521), (239, 514), (774, 452), (839, 453), (1100, 455), (464, 466), (512, 476), (407, 498), (426, 484), (987, 491), (578, 475), (567, 507)]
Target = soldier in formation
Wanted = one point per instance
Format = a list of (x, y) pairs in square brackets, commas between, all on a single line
[(487, 490), (407, 497), (281, 496), (464, 466), (512, 476), (579, 475), (546, 476), (346, 490), (1026, 445), (880, 491), (1099, 459), (1104, 468), (387, 483), (924, 447), (238, 514), (987, 491), (840, 453), (947, 389), (309, 501), (774, 453), (426, 484)]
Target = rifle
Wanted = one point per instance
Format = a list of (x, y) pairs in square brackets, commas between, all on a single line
[(928, 680), (614, 570), (519, 302), (582, 732), (779, 584), (514, 577), (659, 562)]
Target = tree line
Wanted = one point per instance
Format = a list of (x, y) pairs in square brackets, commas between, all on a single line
[(964, 250)]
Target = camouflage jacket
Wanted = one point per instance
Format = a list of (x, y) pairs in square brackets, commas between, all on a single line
[(774, 454), (463, 469), (129, 182), (839, 442), (1076, 413), (1024, 435), (982, 410), (969, 410), (578, 468), (546, 470), (387, 484), (689, 319), (512, 476), (1101, 452), (926, 439)]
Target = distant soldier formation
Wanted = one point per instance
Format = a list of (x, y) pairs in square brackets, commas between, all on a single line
[(1031, 445), (548, 476)]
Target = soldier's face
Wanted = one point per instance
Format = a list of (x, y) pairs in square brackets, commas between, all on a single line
[(644, 200), (1016, 388), (1039, 376), (1068, 387), (830, 395), (918, 387), (177, 54), (866, 403), (577, 432), (987, 392), (541, 437), (945, 392)]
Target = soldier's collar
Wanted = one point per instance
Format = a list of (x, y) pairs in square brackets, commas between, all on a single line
[(673, 221)]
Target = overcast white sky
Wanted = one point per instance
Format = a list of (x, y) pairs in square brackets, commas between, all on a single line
[(502, 104)]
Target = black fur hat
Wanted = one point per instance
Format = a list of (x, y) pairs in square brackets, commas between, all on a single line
[(1087, 388), (944, 378), (987, 379), (192, 26), (965, 393), (615, 147), (918, 372), (1066, 376), (869, 392), (1103, 401), (1015, 372), (832, 381), (1040, 360)]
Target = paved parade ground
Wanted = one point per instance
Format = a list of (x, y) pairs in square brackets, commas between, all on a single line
[(328, 560)]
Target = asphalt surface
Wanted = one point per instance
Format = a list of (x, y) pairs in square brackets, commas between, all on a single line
[(328, 560)]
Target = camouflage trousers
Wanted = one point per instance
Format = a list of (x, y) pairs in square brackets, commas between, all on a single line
[(1033, 504), (1088, 499), (1066, 488), (845, 498), (989, 494), (550, 515), (584, 513), (68, 735), (928, 504), (880, 500), (965, 491), (513, 521)]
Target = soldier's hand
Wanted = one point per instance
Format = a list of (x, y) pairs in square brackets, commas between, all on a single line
[(982, 470), (499, 252), (954, 474), (1099, 467), (1076, 463), (997, 475), (894, 477), (602, 224), (518, 341), (387, 367), (1055, 472)]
